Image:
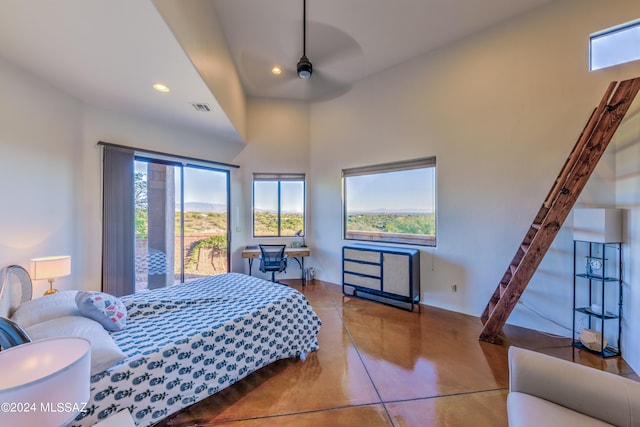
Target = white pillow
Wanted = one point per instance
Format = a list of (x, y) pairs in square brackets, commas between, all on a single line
[(46, 308), (104, 351)]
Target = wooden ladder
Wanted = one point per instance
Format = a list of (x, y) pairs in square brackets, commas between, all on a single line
[(575, 173)]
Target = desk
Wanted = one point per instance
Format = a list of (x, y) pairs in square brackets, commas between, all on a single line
[(296, 253)]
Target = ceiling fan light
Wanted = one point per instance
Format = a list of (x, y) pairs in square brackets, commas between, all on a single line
[(304, 68)]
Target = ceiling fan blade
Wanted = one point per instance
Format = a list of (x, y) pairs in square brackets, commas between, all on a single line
[(334, 51), (322, 87), (336, 58), (317, 87)]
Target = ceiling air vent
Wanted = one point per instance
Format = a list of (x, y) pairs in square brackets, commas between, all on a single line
[(201, 107)]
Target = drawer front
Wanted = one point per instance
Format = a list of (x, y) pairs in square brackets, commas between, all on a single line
[(368, 256), (359, 268), (365, 282)]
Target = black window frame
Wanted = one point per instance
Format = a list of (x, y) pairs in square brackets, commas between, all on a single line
[(278, 178)]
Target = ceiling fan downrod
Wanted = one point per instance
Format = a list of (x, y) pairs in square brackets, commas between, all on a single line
[(305, 69)]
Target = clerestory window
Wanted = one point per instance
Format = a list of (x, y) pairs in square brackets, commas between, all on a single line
[(615, 46)]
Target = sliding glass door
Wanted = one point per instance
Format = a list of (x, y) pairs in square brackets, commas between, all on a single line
[(205, 227), (181, 222)]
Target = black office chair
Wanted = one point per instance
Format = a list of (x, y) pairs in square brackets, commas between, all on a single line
[(273, 259)]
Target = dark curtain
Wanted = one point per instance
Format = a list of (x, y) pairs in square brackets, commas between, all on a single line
[(118, 221)]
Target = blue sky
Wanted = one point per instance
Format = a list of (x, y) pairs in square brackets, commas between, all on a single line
[(291, 196), (201, 185), (205, 186), (411, 190), (617, 46)]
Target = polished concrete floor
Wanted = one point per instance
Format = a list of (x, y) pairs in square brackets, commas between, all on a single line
[(383, 366)]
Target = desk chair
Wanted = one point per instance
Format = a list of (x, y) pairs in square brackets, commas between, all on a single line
[(273, 259)]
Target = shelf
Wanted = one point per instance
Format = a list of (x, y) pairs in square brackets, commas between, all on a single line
[(587, 310), (597, 278), (608, 351), (602, 286)]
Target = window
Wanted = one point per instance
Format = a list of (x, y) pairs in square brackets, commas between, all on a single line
[(278, 205), (615, 46), (393, 202), (181, 217), (165, 219)]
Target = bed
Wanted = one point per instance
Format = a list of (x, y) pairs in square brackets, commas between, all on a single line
[(186, 342)]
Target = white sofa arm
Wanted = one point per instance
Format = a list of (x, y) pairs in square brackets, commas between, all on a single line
[(602, 395)]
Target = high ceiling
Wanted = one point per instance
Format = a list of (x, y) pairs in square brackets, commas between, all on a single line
[(347, 40), (109, 52)]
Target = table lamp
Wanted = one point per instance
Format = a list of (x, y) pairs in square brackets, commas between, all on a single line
[(44, 383), (50, 268)]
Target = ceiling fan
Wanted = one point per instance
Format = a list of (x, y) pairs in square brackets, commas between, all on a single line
[(305, 69), (337, 60)]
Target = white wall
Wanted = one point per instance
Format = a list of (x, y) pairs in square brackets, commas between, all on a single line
[(39, 141), (277, 141), (501, 111)]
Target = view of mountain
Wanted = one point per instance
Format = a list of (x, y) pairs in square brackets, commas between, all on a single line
[(203, 207), (380, 211)]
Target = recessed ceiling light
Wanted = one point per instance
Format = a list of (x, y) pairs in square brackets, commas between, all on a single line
[(161, 87), (276, 70)]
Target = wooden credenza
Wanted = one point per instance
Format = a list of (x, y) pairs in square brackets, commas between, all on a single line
[(389, 272)]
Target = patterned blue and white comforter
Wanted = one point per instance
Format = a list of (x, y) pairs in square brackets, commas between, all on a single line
[(186, 342)]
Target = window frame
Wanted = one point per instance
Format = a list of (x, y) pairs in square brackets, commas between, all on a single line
[(278, 178), (384, 237), (118, 212)]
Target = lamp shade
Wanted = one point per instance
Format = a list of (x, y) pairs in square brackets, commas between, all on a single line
[(50, 267), (601, 225), (44, 383)]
